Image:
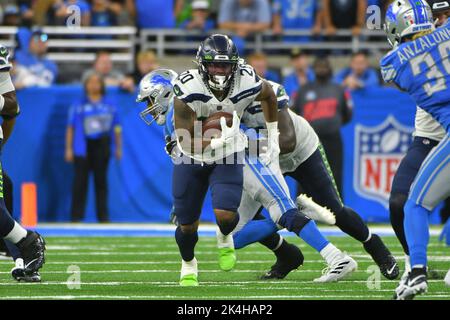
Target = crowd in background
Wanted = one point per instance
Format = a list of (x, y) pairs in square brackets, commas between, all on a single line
[(241, 16), (314, 87)]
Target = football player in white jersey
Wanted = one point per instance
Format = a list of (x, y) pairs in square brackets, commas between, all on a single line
[(428, 133), (262, 187), (219, 84), (30, 245), (303, 158)]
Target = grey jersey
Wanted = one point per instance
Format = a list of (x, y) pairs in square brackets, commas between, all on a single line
[(191, 88)]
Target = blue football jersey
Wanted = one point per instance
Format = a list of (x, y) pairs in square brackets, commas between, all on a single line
[(296, 14), (422, 68)]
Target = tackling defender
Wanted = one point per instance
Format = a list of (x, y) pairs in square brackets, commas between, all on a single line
[(30, 244), (302, 157), (419, 64)]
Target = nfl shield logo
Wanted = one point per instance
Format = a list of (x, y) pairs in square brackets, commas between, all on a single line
[(378, 152)]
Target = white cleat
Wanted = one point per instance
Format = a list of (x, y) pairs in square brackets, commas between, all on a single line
[(318, 213), (338, 269)]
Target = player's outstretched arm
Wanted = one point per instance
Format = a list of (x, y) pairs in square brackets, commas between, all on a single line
[(288, 139)]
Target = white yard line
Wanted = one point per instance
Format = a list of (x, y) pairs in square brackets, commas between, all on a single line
[(259, 297), (175, 284)]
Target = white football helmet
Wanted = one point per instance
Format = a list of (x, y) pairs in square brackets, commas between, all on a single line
[(157, 90)]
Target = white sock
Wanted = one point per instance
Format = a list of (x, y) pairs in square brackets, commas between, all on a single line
[(407, 263), (189, 267), (19, 263), (330, 252), (16, 234), (224, 241)]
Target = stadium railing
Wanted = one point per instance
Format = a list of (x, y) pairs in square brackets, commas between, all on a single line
[(67, 45), (162, 40)]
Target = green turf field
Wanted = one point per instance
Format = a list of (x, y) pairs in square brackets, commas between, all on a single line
[(148, 268)]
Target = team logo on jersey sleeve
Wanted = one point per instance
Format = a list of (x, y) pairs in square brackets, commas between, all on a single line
[(378, 152)]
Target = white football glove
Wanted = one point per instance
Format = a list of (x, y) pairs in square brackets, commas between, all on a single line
[(271, 152), (230, 135)]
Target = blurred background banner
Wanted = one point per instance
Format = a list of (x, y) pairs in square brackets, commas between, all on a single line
[(140, 184)]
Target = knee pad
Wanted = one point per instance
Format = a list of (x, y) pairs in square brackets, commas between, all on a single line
[(293, 221), (226, 226)]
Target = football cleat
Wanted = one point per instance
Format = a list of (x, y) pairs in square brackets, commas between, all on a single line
[(189, 273), (32, 249), (338, 269), (382, 257), (318, 213), (289, 262), (414, 284), (189, 280), (227, 258), (18, 273)]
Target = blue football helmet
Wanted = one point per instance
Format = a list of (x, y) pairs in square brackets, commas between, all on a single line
[(156, 89), (405, 18)]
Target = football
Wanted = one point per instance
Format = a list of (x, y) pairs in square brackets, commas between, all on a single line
[(213, 121)]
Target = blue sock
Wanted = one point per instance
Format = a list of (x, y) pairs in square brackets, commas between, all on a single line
[(254, 231), (417, 232), (312, 236)]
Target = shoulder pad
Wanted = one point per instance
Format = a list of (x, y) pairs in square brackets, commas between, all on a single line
[(189, 87), (5, 64)]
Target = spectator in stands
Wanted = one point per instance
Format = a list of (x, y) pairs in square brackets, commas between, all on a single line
[(103, 65), (64, 9), (34, 69), (344, 14), (93, 123), (359, 75), (244, 17), (154, 13), (326, 106), (258, 61), (296, 14), (26, 12), (200, 17), (302, 73), (146, 62), (104, 13), (11, 16)]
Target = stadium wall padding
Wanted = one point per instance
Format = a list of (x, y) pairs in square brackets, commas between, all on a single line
[(140, 184)]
